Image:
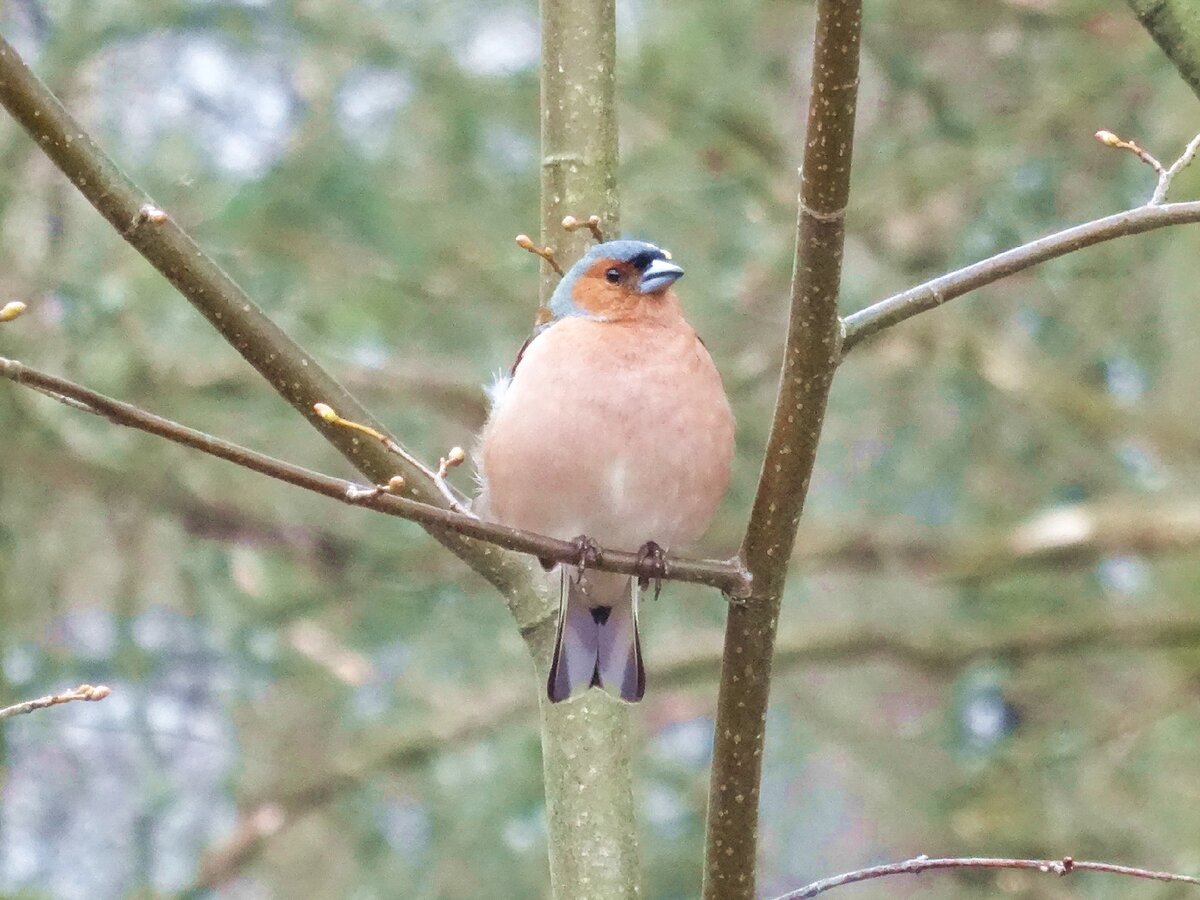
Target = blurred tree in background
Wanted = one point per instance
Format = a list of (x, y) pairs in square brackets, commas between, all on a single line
[(312, 701)]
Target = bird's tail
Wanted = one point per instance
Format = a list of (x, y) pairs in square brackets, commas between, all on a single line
[(598, 643)]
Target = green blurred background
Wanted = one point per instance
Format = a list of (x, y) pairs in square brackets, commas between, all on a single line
[(314, 701)]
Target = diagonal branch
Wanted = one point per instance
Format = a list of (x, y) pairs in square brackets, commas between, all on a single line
[(934, 293), (1060, 867), (810, 360), (725, 576), (292, 372), (1175, 27)]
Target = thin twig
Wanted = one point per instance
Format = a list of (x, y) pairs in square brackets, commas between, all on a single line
[(591, 223), (86, 692), (1165, 175), (727, 576), (1064, 866), (934, 293), (1108, 139), (1165, 179), (327, 412), (525, 242)]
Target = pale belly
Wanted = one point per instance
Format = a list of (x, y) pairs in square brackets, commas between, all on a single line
[(625, 441)]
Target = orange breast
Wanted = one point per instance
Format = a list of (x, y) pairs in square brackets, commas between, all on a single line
[(617, 430)]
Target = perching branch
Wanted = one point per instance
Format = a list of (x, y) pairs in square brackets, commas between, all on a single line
[(1064, 866), (811, 354), (728, 577), (85, 692), (933, 293)]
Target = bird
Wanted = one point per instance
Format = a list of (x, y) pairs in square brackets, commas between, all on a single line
[(612, 429)]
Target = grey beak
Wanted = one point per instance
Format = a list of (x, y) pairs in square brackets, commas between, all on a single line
[(659, 275)]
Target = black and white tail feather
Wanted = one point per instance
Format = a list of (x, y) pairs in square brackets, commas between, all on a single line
[(598, 643)]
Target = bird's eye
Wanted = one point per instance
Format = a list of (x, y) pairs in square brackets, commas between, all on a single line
[(613, 276)]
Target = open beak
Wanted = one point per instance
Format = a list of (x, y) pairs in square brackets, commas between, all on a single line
[(659, 276)]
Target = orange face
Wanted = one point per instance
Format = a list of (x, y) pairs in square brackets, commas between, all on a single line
[(609, 289)]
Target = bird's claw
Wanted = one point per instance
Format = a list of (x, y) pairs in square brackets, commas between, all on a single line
[(652, 566), (587, 552)]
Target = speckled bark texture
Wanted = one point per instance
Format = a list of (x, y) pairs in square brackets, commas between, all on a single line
[(1175, 26), (810, 359), (579, 125), (585, 742)]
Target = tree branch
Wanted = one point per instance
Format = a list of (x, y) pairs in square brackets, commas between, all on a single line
[(810, 360), (84, 692), (1175, 27), (1064, 866), (725, 576), (586, 745), (923, 649), (934, 293), (293, 373)]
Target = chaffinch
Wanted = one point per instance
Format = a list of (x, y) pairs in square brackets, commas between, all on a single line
[(613, 424)]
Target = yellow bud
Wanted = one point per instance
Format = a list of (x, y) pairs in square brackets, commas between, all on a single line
[(396, 484), (456, 457), (11, 310), (1108, 139), (325, 411), (99, 692), (570, 223), (525, 242)]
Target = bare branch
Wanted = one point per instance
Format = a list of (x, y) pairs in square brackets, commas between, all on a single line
[(924, 649), (726, 576), (810, 359), (292, 372), (934, 293), (84, 692), (1064, 866)]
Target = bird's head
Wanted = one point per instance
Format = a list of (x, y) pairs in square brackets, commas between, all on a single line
[(615, 280)]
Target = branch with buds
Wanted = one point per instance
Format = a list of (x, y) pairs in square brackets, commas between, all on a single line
[(728, 576), (86, 692), (1154, 214), (591, 223), (1065, 866), (1165, 174), (525, 242)]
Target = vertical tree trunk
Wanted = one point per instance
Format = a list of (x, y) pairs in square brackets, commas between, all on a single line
[(585, 742)]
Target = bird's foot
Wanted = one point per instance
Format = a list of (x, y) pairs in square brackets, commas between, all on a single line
[(587, 553), (651, 566)]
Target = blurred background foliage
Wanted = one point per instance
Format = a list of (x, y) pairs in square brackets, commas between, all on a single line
[(313, 701)]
